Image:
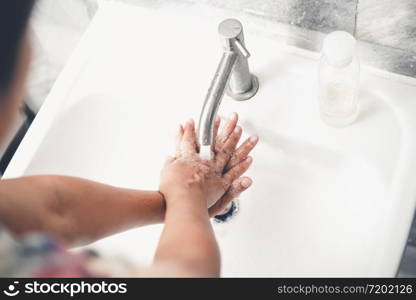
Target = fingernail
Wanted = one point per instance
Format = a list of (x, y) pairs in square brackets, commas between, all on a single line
[(233, 116), (190, 122), (254, 138), (217, 119), (237, 130), (249, 159), (246, 182)]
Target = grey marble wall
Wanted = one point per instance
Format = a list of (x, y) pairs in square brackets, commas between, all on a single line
[(389, 27), (388, 23), (319, 15), (384, 22), (386, 29)]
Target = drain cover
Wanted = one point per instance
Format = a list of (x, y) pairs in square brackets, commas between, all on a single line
[(229, 214)]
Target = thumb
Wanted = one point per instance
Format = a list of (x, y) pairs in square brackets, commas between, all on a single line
[(169, 160)]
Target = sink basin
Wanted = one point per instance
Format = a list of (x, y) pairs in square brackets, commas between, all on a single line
[(325, 201)]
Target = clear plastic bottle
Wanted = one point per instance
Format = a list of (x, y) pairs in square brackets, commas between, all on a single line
[(339, 71)]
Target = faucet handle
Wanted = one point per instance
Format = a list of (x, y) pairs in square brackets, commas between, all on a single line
[(242, 49), (242, 84), (230, 31)]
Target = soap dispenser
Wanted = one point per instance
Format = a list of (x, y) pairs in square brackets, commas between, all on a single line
[(339, 71)]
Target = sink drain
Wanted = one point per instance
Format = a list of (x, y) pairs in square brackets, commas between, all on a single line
[(229, 214)]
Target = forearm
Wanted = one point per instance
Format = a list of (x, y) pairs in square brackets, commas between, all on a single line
[(188, 241), (75, 210)]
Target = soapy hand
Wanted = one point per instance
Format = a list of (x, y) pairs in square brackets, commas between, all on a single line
[(217, 181)]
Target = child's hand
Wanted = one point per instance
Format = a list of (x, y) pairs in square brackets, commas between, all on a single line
[(216, 181), (239, 155)]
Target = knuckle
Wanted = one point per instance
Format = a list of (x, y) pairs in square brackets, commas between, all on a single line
[(222, 140)]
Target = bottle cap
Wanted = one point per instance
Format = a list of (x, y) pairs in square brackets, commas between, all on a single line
[(339, 48)]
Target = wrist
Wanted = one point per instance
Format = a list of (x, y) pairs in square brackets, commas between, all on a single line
[(149, 205), (161, 206), (186, 200)]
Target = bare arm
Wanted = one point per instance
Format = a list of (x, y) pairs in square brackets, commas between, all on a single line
[(79, 211), (75, 210), (188, 243)]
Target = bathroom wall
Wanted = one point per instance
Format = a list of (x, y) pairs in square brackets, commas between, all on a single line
[(385, 28), (320, 15), (388, 23)]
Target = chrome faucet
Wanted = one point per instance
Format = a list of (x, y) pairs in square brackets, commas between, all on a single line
[(232, 76)]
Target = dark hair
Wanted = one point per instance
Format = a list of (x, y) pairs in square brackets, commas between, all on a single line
[(14, 16)]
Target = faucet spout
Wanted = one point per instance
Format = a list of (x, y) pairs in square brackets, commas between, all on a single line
[(232, 77)]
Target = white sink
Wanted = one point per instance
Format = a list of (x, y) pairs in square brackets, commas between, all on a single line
[(325, 202)]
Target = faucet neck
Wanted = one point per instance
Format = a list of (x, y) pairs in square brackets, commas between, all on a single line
[(232, 76)]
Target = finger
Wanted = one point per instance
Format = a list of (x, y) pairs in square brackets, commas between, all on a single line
[(238, 170), (223, 156), (226, 131), (217, 124), (179, 137), (242, 152), (237, 187), (188, 145)]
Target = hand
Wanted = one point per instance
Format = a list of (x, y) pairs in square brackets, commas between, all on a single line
[(240, 154), (216, 181)]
